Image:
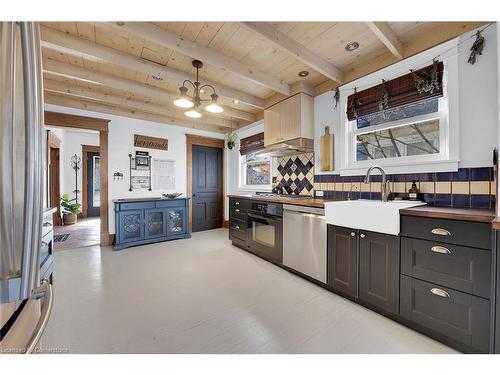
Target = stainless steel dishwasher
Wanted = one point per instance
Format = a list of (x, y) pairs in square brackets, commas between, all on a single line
[(304, 240)]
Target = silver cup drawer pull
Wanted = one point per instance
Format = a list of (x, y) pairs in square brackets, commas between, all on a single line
[(237, 203), (237, 210), (440, 232), (440, 250), (440, 292), (237, 227)]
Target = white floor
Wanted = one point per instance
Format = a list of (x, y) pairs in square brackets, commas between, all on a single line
[(203, 295)]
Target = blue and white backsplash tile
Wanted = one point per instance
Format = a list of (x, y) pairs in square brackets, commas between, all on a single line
[(296, 174)]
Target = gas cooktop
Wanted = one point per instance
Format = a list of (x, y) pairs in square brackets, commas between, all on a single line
[(275, 195)]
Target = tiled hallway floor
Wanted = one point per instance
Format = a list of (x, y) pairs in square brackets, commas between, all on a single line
[(85, 232), (202, 295)]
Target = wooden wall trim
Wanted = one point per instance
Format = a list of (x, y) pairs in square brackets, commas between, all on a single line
[(74, 121), (196, 140), (104, 213), (85, 150), (101, 125)]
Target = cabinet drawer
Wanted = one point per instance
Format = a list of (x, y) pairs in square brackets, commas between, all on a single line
[(463, 268), (239, 203), (137, 205), (170, 203), (237, 230), (456, 315), (238, 214), (457, 232)]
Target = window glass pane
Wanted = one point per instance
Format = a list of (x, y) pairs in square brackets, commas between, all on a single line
[(258, 173), (399, 113), (255, 157), (96, 193), (407, 140)]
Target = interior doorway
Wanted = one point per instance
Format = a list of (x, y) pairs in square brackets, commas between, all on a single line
[(54, 174), (207, 202), (91, 184)]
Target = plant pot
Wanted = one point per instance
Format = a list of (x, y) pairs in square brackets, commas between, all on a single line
[(69, 219)]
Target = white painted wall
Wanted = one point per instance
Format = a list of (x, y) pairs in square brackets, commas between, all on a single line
[(232, 164), (477, 112), (121, 143), (71, 144)]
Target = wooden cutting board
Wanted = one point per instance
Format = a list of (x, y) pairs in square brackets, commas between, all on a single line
[(326, 150)]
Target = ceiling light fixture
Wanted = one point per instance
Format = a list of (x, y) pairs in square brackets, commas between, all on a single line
[(303, 73), (351, 46), (194, 100)]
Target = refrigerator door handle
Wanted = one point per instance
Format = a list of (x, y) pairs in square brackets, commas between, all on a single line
[(43, 291), (34, 159)]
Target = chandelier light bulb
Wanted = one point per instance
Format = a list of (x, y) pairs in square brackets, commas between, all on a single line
[(183, 101), (193, 113), (213, 106)]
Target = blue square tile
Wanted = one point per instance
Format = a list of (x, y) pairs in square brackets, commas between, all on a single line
[(330, 178), (355, 195), (318, 178), (376, 178), (375, 196), (410, 177), (460, 200), (480, 174), (345, 178), (426, 177), (443, 176), (365, 195), (357, 178), (442, 200), (463, 174), (480, 201), (399, 177), (429, 198)]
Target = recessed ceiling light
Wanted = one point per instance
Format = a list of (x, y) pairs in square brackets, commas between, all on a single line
[(303, 73), (236, 101), (120, 23), (351, 46)]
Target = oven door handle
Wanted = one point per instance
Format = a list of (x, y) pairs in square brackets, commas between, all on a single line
[(262, 217)]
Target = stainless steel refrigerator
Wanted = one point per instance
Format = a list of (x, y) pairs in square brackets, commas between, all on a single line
[(26, 300)]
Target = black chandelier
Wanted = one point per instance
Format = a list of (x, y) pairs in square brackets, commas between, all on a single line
[(194, 101)]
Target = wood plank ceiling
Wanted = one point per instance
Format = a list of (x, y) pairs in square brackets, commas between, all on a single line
[(135, 69)]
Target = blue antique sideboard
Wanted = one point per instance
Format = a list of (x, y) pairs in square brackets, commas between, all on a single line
[(146, 220)]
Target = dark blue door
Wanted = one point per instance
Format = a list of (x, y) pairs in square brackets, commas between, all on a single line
[(207, 188)]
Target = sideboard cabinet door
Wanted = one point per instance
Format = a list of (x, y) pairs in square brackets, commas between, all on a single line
[(156, 223), (131, 226), (176, 220)]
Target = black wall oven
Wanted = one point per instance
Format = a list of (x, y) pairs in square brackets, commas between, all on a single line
[(265, 230)]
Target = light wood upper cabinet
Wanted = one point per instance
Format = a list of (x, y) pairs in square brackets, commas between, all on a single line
[(289, 119)]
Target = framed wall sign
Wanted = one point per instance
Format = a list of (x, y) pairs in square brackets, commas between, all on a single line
[(155, 143)]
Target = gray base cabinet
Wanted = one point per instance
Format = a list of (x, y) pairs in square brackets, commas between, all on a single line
[(142, 221), (446, 272), (364, 265), (342, 260), (459, 316), (379, 271)]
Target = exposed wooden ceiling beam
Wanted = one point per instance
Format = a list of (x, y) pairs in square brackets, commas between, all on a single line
[(171, 40), (295, 49), (124, 112), (62, 42), (75, 72), (388, 37), (85, 93)]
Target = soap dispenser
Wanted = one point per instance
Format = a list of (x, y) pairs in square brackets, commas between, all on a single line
[(413, 192)]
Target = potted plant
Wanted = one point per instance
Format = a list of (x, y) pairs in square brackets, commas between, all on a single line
[(232, 140), (70, 210)]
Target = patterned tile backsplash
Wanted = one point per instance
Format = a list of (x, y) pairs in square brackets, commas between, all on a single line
[(296, 174), (468, 187)]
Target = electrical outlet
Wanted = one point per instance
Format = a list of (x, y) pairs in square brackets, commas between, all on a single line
[(319, 193)]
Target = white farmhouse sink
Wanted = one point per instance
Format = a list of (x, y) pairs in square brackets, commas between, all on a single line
[(375, 216)]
